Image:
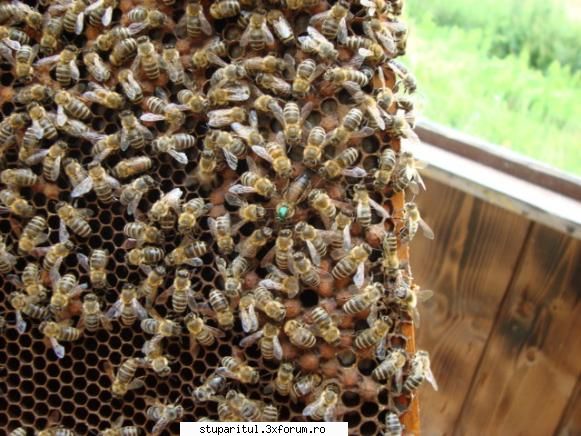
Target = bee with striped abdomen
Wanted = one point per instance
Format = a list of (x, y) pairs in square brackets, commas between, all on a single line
[(56, 332)]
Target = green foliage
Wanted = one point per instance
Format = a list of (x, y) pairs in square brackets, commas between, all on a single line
[(540, 27), (503, 100)]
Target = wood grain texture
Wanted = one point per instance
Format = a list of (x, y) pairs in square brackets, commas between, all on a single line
[(532, 362), (469, 266), (571, 420)]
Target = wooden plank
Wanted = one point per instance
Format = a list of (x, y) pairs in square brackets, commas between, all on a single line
[(469, 266), (533, 357), (571, 421), (500, 158), (516, 195)]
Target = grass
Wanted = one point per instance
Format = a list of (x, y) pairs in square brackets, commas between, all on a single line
[(504, 99)]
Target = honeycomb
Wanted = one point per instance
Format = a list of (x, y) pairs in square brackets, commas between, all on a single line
[(43, 391)]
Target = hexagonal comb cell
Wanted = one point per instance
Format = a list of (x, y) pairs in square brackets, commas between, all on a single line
[(204, 215)]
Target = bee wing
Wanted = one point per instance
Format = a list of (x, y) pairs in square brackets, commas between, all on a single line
[(359, 277), (179, 156), (231, 158), (347, 237), (306, 110), (329, 414), (381, 349), (107, 16), (215, 59), (318, 18), (249, 340), (241, 189), (270, 284), (262, 152), (36, 157), (249, 319), (63, 232), (75, 73), (363, 133), (79, 23), (354, 172), (105, 322), (424, 295), (20, 323), (135, 28), (415, 313), (139, 309), (313, 253), (238, 93), (379, 209), (148, 116), (342, 30), (115, 310), (277, 348), (14, 280), (163, 297), (61, 117), (47, 60), (56, 169), (430, 377), (113, 182), (159, 426), (134, 203), (196, 262), (426, 229), (267, 34), (312, 407), (216, 332), (204, 23), (212, 226), (245, 38), (58, 349), (223, 371)]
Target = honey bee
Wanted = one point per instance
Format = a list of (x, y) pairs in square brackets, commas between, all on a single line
[(305, 385), (247, 212), (368, 104), (122, 51), (42, 125), (73, 218), (195, 21), (267, 64), (283, 381), (155, 358), (27, 305), (174, 146), (181, 292), (150, 285), (133, 133), (18, 178), (257, 35), (23, 59), (18, 12), (325, 405), (222, 309), (268, 340), (105, 146), (412, 222), (98, 69), (383, 31), (282, 249), (171, 63), (10, 125), (147, 57), (342, 229), (387, 163), (125, 380), (205, 172), (14, 203), (56, 332), (326, 326), (33, 93), (250, 134), (294, 194), (193, 101), (189, 215), (236, 369), (118, 429), (349, 129), (374, 336), (392, 366), (367, 50), (315, 239), (401, 124), (369, 295), (323, 204), (276, 279), (281, 27), (67, 70), (65, 290), (219, 118), (393, 426), (103, 96), (224, 9), (201, 333), (221, 230), (407, 174), (209, 55), (146, 255), (339, 76), (232, 275), (68, 105), (364, 205), (307, 72), (227, 73), (74, 171), (166, 209), (316, 43), (248, 318), (96, 264), (235, 406), (274, 84), (409, 296), (269, 105), (92, 317), (127, 307), (51, 160), (266, 303), (353, 262), (187, 253), (338, 166), (131, 88), (99, 181), (212, 386), (101, 12), (252, 244), (132, 166), (74, 17), (390, 261), (275, 153), (143, 18), (52, 29), (55, 255), (406, 77), (333, 21), (420, 371), (231, 146), (304, 269), (299, 335), (222, 96), (161, 110), (33, 234), (141, 233)]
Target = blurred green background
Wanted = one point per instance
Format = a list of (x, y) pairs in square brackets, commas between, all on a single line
[(508, 71)]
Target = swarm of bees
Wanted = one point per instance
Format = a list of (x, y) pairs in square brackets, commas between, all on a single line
[(220, 154)]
